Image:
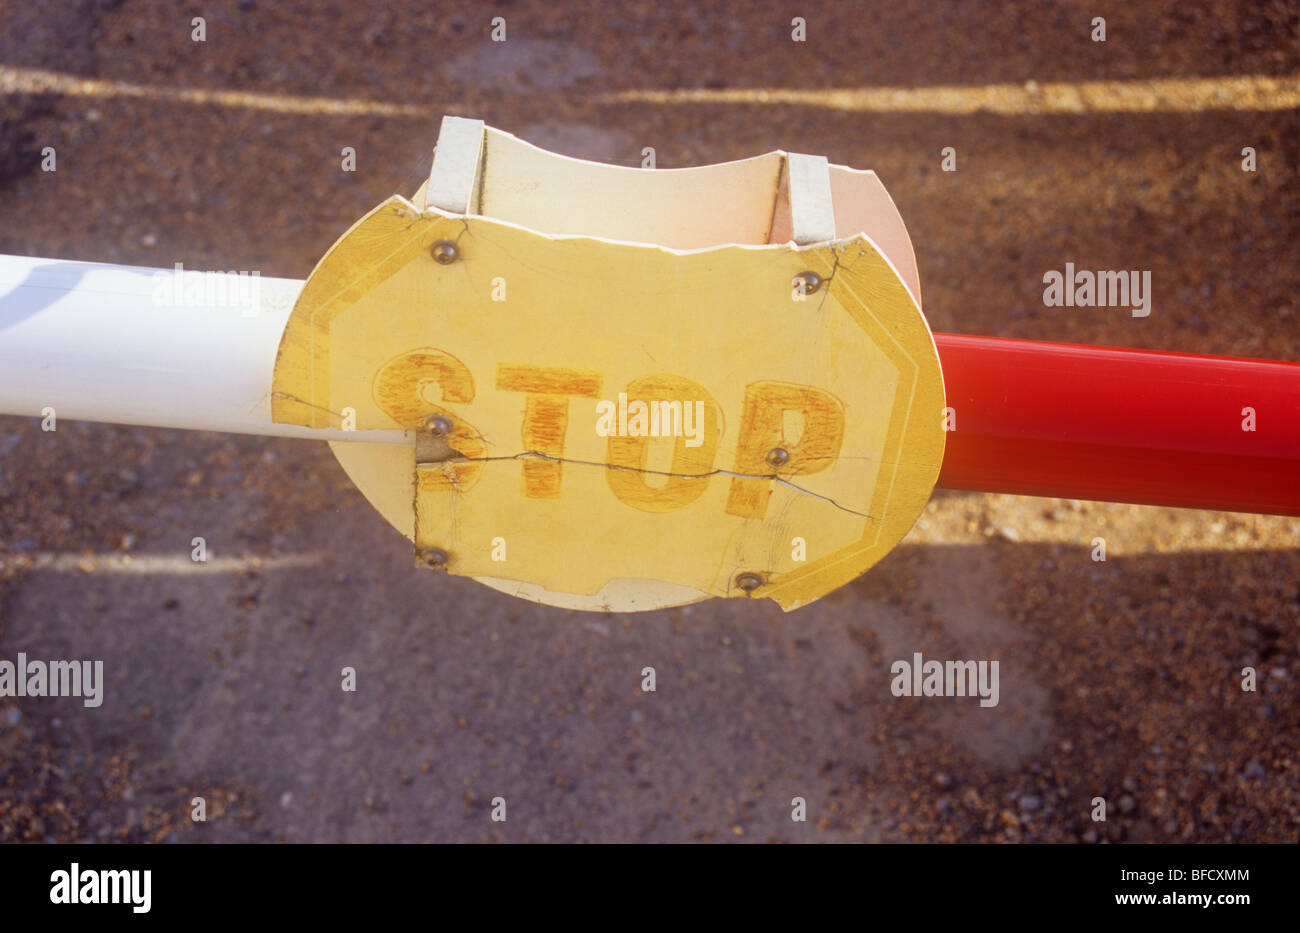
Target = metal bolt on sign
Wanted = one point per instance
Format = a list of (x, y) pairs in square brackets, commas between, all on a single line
[(778, 457), (445, 252), (438, 425), (434, 557), (807, 282)]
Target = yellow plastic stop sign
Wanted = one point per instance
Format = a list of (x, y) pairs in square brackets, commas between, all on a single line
[(614, 425)]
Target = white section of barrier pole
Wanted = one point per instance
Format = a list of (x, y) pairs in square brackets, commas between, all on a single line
[(159, 347)]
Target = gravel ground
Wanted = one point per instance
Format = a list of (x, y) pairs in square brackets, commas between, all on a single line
[(1118, 679)]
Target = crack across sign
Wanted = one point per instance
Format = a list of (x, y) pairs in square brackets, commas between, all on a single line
[(826, 289), (535, 455)]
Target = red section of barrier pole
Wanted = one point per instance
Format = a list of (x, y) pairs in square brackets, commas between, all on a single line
[(1054, 419)]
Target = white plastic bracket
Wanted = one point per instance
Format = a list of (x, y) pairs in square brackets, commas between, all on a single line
[(457, 165)]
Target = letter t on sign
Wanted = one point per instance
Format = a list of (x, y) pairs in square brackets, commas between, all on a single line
[(546, 417)]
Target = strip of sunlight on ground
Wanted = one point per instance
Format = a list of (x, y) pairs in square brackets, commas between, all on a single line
[(1240, 92), (37, 81), (1143, 96), (178, 564)]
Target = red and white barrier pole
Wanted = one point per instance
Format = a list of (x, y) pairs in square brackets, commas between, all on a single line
[(109, 343)]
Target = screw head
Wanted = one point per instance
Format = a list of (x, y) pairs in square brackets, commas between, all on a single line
[(434, 557), (807, 282), (748, 582), (778, 456), (445, 252), (438, 425)]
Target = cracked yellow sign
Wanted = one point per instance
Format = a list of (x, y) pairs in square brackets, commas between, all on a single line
[(613, 425)]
